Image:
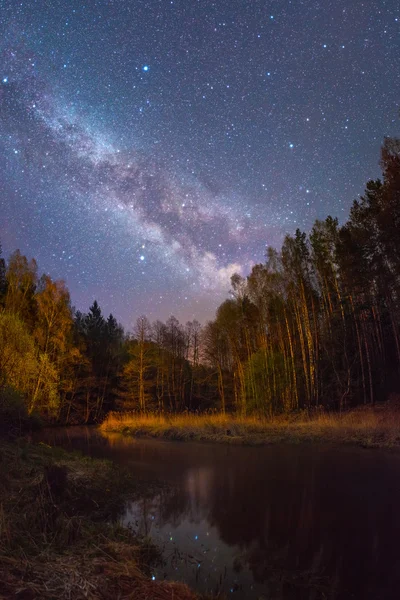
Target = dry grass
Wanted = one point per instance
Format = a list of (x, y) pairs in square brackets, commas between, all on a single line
[(55, 542), (370, 427), (91, 578), (105, 572)]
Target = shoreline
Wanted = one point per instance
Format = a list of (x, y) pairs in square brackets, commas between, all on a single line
[(59, 511), (59, 531), (367, 428)]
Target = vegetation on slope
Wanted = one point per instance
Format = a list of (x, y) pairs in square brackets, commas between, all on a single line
[(58, 532)]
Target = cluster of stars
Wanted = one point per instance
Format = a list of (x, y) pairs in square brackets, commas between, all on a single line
[(160, 147)]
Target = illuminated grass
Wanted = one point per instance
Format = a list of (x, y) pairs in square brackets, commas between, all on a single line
[(367, 427)]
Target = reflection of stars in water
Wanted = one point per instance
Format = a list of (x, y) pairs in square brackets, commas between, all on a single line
[(193, 551)]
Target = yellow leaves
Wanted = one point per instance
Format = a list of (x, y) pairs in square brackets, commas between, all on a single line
[(54, 318), (22, 366), (17, 352)]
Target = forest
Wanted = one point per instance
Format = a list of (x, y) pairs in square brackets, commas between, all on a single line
[(315, 326)]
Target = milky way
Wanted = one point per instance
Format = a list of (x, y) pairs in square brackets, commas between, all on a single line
[(149, 150)]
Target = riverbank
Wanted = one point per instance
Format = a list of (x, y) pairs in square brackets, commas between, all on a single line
[(59, 536), (375, 427)]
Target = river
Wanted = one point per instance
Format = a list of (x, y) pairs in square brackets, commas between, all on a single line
[(287, 522)]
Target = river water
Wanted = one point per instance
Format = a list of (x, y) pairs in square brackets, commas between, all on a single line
[(280, 522)]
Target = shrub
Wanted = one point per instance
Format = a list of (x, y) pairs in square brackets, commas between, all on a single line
[(14, 417)]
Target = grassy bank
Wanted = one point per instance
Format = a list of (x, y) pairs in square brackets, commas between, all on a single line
[(56, 536), (370, 427)]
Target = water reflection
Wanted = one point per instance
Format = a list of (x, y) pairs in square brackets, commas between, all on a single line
[(280, 522)]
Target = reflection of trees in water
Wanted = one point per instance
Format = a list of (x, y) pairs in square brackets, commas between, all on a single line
[(284, 583), (168, 506), (293, 511), (307, 519)]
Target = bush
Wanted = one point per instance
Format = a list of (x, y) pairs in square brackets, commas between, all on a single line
[(14, 417)]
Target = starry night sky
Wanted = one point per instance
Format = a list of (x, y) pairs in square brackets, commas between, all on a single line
[(150, 149)]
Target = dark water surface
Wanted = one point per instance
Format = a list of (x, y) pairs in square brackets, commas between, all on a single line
[(273, 522)]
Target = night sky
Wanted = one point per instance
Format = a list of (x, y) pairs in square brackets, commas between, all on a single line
[(150, 149)]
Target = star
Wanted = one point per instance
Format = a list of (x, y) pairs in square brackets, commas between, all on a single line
[(188, 163)]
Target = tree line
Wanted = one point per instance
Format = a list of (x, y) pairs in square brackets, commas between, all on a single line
[(315, 325)]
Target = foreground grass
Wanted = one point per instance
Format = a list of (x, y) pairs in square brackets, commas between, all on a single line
[(56, 536), (369, 427)]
